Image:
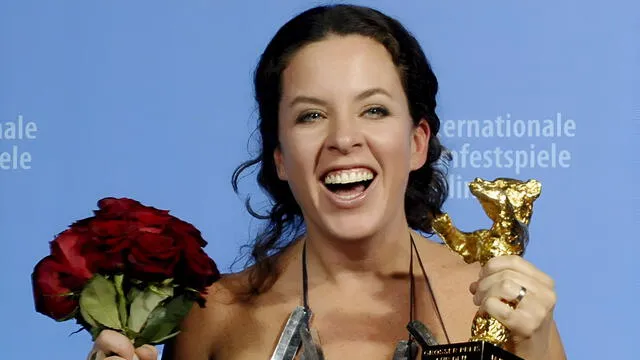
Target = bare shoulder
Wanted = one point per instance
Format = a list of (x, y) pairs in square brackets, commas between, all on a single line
[(204, 329), (451, 272)]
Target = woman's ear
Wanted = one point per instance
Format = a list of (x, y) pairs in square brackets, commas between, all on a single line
[(420, 144), (279, 162)]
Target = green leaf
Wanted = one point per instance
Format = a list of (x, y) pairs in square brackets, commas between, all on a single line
[(122, 300), (132, 294), (88, 318), (144, 303), (98, 302), (164, 321), (158, 341), (162, 291)]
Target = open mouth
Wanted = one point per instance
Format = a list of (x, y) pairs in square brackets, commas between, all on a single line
[(350, 183), (349, 189)]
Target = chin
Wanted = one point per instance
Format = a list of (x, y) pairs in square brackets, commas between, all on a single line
[(353, 227)]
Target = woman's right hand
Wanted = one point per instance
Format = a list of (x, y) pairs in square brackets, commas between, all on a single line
[(111, 342)]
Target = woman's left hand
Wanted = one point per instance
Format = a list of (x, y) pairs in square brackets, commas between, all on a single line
[(502, 280)]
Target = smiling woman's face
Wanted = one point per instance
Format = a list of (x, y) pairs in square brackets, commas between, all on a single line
[(347, 141)]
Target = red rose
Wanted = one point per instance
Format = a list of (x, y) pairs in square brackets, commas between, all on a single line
[(198, 270), (110, 240), (55, 288), (116, 208), (59, 278), (68, 249), (123, 208), (151, 217), (188, 232), (153, 255)]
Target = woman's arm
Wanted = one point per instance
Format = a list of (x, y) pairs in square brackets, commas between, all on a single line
[(556, 349)]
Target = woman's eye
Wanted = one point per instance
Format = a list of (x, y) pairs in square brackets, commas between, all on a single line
[(377, 112), (309, 117)]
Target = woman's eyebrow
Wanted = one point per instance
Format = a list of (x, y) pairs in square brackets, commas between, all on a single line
[(317, 101), (370, 92), (307, 100)]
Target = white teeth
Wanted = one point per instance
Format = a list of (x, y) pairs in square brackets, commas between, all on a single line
[(348, 176)]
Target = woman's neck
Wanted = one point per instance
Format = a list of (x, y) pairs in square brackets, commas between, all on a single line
[(342, 261)]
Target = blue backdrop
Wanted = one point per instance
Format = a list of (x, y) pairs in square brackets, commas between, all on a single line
[(153, 100)]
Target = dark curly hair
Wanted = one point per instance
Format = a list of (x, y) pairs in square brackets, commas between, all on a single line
[(427, 187)]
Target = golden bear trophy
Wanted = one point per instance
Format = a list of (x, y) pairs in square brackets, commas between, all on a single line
[(509, 204)]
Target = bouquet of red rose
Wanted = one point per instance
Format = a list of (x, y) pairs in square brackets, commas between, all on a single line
[(130, 268)]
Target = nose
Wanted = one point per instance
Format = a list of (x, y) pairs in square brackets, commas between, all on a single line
[(344, 135)]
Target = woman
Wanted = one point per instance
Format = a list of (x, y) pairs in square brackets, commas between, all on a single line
[(349, 152)]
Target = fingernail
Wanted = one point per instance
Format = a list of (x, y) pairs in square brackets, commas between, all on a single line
[(135, 357)]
